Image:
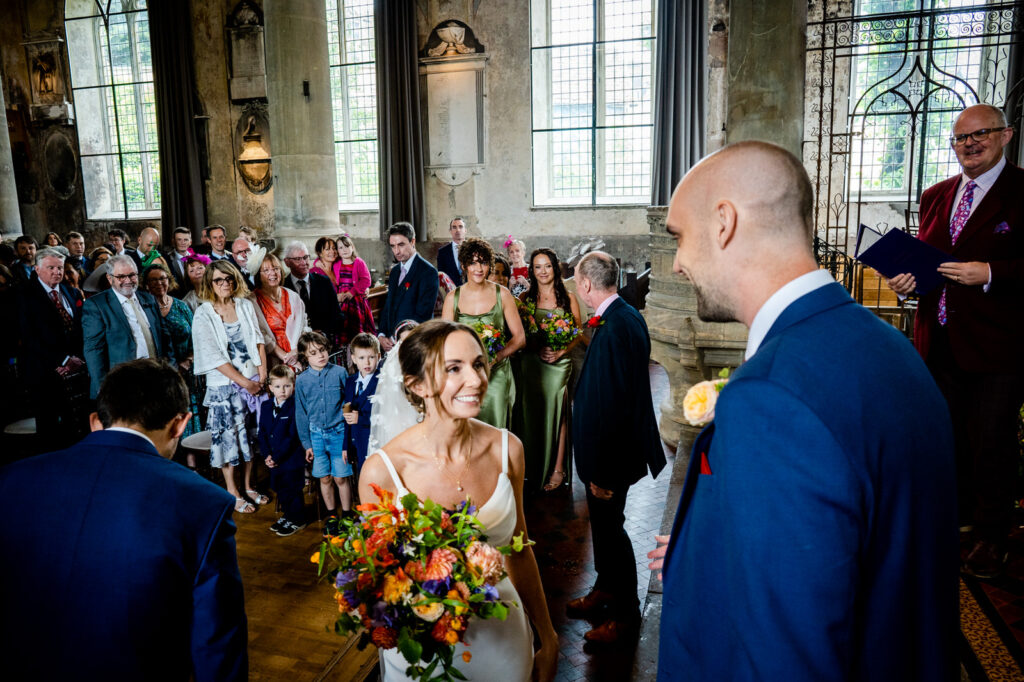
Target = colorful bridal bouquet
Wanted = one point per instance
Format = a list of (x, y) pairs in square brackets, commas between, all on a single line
[(527, 310), (414, 576), (558, 330), (699, 401), (493, 338)]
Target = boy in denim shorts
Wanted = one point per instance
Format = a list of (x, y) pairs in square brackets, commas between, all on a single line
[(319, 396)]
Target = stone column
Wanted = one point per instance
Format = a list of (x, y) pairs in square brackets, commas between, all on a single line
[(10, 216), (301, 130)]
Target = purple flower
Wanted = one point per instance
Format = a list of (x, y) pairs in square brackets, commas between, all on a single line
[(352, 597), (345, 578), (382, 615), (438, 587), (465, 507), (490, 592)]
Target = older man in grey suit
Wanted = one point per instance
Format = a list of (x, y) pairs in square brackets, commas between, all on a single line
[(122, 324)]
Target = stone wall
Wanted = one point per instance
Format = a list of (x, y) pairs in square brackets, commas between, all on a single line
[(495, 202)]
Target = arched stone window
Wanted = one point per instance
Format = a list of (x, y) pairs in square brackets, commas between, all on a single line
[(592, 68), (112, 86), (351, 48)]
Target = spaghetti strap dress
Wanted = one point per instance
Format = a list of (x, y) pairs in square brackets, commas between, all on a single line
[(496, 409), (501, 649)]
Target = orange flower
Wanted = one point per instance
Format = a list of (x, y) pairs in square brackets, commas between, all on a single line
[(466, 656), (315, 558), (463, 590), (363, 581), (386, 496), (337, 541), (385, 638), (446, 522), (396, 586), (461, 608), (485, 561), (439, 564)]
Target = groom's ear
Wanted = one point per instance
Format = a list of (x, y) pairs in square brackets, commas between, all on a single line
[(725, 225)]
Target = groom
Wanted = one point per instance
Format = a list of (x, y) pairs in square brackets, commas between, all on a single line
[(816, 535), (615, 440)]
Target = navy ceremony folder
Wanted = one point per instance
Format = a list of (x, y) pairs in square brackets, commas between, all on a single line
[(897, 252)]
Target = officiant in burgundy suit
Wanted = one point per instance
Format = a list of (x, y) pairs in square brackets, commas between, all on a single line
[(971, 330), (615, 441)]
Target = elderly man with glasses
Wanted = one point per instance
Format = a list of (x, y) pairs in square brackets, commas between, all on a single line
[(970, 331), (122, 324)]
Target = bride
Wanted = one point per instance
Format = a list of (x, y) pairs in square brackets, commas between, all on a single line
[(451, 456)]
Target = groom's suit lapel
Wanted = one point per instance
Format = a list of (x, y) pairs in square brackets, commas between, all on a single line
[(817, 301)]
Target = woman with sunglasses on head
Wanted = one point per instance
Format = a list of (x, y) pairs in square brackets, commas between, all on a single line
[(229, 351)]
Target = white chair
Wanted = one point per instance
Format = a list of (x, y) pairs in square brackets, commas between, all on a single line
[(22, 427)]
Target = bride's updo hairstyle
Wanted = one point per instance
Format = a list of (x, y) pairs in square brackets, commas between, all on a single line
[(421, 356)]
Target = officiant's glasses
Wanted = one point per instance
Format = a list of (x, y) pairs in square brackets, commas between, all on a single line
[(978, 136)]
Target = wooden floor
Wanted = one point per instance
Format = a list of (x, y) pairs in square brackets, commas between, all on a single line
[(291, 615)]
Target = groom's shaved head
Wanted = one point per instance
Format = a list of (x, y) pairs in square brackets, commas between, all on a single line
[(763, 181)]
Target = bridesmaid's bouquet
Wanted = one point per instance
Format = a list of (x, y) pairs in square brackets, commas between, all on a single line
[(414, 576), (527, 310), (558, 330), (492, 337)]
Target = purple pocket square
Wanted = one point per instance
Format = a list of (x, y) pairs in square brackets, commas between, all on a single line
[(1002, 228)]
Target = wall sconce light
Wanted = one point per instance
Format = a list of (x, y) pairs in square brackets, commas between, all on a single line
[(254, 162)]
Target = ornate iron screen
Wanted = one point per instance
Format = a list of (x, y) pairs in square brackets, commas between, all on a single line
[(885, 82)]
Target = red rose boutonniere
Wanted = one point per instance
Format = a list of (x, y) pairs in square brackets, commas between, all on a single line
[(595, 322), (78, 303), (407, 285)]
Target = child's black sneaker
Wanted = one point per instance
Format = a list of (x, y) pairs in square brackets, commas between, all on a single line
[(277, 525), (289, 528)]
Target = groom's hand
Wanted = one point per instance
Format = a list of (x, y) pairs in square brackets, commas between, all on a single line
[(600, 493), (658, 554)]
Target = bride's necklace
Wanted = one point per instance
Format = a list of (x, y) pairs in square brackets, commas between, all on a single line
[(443, 468)]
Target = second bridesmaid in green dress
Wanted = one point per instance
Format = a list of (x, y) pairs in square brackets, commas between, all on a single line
[(490, 309), (542, 413)]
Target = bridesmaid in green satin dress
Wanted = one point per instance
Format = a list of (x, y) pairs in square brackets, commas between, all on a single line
[(542, 412), (480, 301)]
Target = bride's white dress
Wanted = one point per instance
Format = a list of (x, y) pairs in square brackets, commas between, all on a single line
[(501, 649)]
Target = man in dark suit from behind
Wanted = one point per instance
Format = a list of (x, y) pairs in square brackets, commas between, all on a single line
[(315, 290), (126, 568), (970, 331), (50, 337), (412, 285), (615, 442), (448, 255)]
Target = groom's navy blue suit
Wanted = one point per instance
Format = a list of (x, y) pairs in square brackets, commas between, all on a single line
[(118, 564), (816, 537)]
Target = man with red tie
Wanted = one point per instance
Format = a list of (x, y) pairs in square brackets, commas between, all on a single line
[(970, 331)]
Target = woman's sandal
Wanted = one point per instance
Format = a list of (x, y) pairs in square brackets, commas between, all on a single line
[(244, 506), (257, 497), (551, 485)]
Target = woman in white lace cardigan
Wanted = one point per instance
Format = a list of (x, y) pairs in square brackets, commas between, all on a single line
[(229, 350)]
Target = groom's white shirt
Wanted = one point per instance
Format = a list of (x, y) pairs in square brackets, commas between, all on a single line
[(778, 302)]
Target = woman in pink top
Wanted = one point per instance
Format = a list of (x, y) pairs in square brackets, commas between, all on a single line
[(351, 279)]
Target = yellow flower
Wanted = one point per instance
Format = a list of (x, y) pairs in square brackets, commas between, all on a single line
[(395, 586), (428, 612), (699, 402), (315, 558), (337, 541)]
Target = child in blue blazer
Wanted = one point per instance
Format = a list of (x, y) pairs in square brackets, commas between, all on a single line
[(364, 352), (285, 456)]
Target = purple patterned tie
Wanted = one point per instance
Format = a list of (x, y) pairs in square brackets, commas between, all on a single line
[(956, 226)]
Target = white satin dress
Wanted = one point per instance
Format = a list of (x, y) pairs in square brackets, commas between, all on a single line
[(501, 649)]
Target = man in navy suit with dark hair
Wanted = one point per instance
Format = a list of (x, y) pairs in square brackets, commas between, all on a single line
[(816, 532), (123, 566), (448, 255), (615, 442), (412, 285)]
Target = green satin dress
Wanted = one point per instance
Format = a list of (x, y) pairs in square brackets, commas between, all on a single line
[(542, 406), (496, 409)]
